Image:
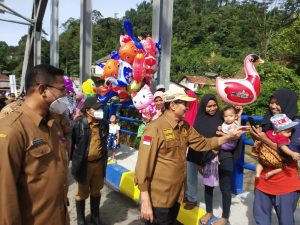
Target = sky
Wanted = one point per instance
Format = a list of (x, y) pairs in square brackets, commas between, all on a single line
[(11, 32)]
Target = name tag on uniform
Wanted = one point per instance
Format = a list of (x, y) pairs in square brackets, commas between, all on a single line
[(38, 141), (169, 134), (147, 140)]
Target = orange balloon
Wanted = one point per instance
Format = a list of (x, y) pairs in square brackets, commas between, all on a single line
[(111, 68), (128, 52)]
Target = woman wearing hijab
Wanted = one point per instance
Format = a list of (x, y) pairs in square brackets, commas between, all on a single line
[(280, 191), (206, 123)]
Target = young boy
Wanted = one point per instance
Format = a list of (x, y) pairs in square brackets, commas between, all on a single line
[(282, 130)]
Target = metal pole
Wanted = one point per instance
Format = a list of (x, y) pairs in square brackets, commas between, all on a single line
[(37, 47), (54, 39), (155, 34), (25, 61), (16, 13), (85, 40), (165, 31), (18, 22)]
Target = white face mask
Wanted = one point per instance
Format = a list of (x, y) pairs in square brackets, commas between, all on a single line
[(59, 106), (98, 114)]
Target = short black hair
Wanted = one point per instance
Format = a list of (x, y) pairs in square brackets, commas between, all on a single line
[(167, 105), (41, 74)]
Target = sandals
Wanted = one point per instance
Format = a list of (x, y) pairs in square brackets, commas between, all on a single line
[(204, 219), (221, 221)]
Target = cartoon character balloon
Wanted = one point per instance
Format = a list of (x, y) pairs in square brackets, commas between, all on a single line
[(241, 91), (124, 75), (143, 101), (89, 88), (128, 52), (111, 68)]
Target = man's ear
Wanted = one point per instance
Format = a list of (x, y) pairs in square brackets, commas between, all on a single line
[(172, 105), (41, 89)]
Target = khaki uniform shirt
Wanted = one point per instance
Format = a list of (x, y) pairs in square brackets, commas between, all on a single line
[(33, 170), (11, 107), (161, 164), (95, 148)]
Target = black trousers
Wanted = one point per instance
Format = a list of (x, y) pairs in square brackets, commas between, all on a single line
[(225, 174), (165, 216)]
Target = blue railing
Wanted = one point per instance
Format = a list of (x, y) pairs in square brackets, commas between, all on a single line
[(113, 110), (239, 165)]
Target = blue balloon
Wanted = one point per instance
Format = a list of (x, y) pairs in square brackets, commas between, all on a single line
[(104, 99), (102, 65), (128, 28), (115, 55)]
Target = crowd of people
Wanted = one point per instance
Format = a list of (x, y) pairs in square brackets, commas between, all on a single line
[(40, 134)]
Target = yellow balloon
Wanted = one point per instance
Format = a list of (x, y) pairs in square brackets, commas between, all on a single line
[(89, 88), (134, 86)]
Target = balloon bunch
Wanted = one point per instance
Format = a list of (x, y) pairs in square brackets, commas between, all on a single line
[(129, 68)]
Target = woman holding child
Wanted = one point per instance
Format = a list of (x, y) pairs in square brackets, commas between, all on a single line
[(281, 190), (208, 119)]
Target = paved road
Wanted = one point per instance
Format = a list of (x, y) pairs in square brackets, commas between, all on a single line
[(115, 208)]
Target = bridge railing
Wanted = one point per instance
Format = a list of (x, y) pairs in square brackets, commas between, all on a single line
[(239, 165)]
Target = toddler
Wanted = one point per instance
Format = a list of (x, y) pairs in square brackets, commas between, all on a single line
[(113, 136), (232, 120), (282, 130)]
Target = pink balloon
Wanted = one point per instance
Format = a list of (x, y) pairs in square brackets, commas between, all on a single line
[(241, 91), (138, 67)]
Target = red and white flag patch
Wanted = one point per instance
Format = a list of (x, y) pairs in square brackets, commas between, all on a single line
[(147, 140)]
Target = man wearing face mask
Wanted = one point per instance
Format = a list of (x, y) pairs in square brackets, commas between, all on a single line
[(33, 162), (89, 157)]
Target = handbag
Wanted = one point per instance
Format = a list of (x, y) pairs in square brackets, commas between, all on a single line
[(267, 156)]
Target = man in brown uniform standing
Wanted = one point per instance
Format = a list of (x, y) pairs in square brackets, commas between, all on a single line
[(89, 157), (33, 162), (160, 171)]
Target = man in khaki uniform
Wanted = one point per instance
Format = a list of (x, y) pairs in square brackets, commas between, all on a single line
[(33, 162), (89, 157), (160, 171)]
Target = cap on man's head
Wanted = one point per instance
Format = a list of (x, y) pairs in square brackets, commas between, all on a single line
[(91, 102), (281, 122), (177, 94)]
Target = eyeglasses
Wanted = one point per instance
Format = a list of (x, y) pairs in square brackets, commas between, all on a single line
[(62, 89)]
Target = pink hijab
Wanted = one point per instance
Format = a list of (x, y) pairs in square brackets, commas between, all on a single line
[(190, 115)]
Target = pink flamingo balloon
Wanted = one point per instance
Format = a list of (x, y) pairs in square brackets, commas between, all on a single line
[(241, 91)]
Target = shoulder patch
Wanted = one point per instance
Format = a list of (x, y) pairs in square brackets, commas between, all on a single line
[(147, 140), (3, 135)]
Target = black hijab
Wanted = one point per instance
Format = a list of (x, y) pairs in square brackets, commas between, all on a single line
[(206, 125), (287, 99)]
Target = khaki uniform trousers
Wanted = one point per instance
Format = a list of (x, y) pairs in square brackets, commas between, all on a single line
[(93, 182)]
